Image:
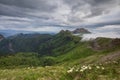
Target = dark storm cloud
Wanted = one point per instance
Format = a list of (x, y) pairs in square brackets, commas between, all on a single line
[(21, 8), (10, 10), (97, 25), (42, 5)]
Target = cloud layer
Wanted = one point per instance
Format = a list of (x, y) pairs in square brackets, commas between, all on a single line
[(54, 15)]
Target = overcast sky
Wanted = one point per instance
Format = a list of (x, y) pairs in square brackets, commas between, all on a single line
[(54, 15)]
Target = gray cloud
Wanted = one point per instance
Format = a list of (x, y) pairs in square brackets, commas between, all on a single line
[(42, 5), (67, 14)]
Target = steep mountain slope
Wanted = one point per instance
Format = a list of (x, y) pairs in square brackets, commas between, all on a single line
[(23, 43), (59, 44), (42, 43), (45, 44)]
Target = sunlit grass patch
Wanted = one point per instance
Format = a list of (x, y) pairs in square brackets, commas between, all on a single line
[(31, 73)]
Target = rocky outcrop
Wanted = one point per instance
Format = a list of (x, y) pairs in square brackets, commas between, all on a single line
[(10, 47), (105, 43), (1, 37), (81, 30), (110, 57)]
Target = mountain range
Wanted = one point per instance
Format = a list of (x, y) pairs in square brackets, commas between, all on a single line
[(47, 44), (62, 56), (7, 33)]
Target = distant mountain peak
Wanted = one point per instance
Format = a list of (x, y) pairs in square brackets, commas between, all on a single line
[(65, 32), (81, 30)]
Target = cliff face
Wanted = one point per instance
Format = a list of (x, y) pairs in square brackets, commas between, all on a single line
[(81, 30), (1, 37)]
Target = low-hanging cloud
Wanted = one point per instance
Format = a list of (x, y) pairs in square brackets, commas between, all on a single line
[(92, 36), (111, 31)]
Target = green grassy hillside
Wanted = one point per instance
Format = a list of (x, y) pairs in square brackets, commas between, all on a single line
[(84, 68), (61, 43)]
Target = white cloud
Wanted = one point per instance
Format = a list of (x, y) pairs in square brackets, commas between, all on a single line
[(109, 31), (95, 35), (109, 27), (14, 18)]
